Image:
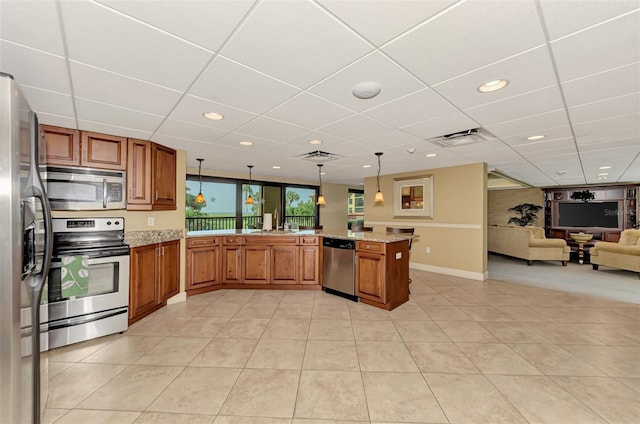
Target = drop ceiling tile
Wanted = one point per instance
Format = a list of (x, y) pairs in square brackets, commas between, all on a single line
[(206, 23), (271, 129), (297, 42), (522, 106), (354, 128), (612, 135), (616, 43), (547, 148), (118, 90), (632, 173), (56, 120), (113, 130), (371, 18), (231, 83), (48, 101), (393, 80), (476, 35), (32, 24), (309, 111), (550, 135), (445, 124), (613, 83), (567, 16), (190, 131), (191, 108), (233, 140), (328, 141), (134, 49), (531, 125), (415, 107), (180, 143), (391, 139), (609, 147), (607, 125), (27, 65), (116, 116), (623, 105), (526, 72)]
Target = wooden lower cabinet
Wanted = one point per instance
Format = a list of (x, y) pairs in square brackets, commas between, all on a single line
[(256, 264), (231, 260), (284, 264), (310, 264), (154, 277), (370, 272), (203, 262)]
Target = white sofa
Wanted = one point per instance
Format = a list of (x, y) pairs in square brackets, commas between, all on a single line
[(625, 254), (527, 243)]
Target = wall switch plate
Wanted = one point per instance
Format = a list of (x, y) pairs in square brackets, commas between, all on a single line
[(151, 221), (398, 255), (427, 249)]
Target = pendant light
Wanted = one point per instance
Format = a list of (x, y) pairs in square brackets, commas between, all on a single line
[(200, 197), (321, 200), (379, 197), (249, 200)]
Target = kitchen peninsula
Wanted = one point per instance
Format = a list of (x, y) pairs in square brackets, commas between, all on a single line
[(255, 259)]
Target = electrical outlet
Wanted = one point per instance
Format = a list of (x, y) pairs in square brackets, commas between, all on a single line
[(151, 221), (427, 249)]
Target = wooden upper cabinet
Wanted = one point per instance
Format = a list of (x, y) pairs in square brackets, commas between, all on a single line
[(138, 172), (61, 145), (151, 176), (164, 178), (103, 151)]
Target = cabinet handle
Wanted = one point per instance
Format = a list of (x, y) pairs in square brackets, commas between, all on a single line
[(84, 155), (129, 193), (156, 194)]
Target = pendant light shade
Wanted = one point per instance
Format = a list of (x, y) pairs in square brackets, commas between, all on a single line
[(200, 196), (249, 200), (379, 197), (321, 200)]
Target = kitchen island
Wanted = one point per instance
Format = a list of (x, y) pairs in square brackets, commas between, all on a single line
[(257, 259)]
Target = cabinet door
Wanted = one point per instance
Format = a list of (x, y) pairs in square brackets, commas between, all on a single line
[(202, 266), (231, 264), (255, 264), (284, 264), (138, 173), (164, 177), (103, 151), (370, 275), (62, 145), (169, 269), (143, 294), (309, 265)]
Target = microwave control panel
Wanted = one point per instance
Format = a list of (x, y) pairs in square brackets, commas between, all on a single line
[(115, 192)]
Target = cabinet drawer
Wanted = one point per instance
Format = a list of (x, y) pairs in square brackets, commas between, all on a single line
[(369, 246), (232, 240), (309, 241), (269, 240), (202, 241)]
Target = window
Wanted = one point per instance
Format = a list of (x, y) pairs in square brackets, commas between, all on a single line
[(355, 207), (219, 210), (300, 205)]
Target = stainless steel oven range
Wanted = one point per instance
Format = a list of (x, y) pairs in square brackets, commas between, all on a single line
[(88, 285)]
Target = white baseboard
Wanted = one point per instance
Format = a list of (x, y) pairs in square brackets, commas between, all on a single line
[(480, 276), (180, 297)]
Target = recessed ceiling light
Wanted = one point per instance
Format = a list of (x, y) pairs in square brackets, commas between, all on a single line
[(605, 167), (275, 167), (561, 172), (535, 137), (366, 166), (411, 150), (601, 174), (315, 141), (323, 173), (493, 85), (366, 90), (430, 155), (602, 178), (360, 183), (247, 143), (212, 115)]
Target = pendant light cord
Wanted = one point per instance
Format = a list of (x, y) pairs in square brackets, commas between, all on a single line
[(378, 177)]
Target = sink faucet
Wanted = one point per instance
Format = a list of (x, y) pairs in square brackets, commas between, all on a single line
[(275, 218)]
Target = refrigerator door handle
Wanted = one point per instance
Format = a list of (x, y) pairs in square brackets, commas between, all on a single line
[(48, 239)]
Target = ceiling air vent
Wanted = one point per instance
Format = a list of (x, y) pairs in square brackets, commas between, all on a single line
[(319, 156), (462, 138)]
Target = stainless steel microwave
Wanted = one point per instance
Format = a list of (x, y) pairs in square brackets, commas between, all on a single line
[(85, 188)]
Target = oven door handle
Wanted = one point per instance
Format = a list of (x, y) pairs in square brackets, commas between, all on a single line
[(104, 193)]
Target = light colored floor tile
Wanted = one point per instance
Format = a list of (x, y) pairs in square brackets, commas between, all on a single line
[(513, 332), (263, 297), (227, 353), (472, 399), (263, 393), (463, 299), (400, 397), (553, 360), (493, 358), (52, 415), (362, 311), (332, 395), (308, 421), (300, 297), (385, 356), (78, 351), (125, 350), (235, 296), (611, 334), (331, 311), (428, 299), (164, 418), (76, 383), (291, 329), (243, 328), (157, 326), (466, 331), (633, 383), (294, 311), (611, 361), (330, 329), (197, 391), (485, 313), (201, 327), (611, 399), (220, 309), (421, 331), (323, 298), (331, 355), (256, 311), (375, 330), (251, 420), (98, 417), (440, 358), (278, 354), (181, 309), (55, 368), (178, 351), (523, 314), (133, 389), (541, 400), (504, 300), (562, 333), (446, 313), (409, 312)]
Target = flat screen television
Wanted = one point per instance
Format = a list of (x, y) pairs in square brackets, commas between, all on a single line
[(590, 214)]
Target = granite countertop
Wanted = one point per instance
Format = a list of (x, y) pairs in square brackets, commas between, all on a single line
[(143, 238), (339, 234)]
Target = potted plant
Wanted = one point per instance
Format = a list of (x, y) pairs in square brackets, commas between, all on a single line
[(585, 195), (527, 212)]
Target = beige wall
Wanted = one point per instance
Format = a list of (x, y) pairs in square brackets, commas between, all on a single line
[(456, 236), (498, 201)]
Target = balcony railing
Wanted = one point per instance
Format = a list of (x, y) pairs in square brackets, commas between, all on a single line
[(206, 223)]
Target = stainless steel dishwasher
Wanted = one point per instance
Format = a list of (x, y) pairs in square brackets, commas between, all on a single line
[(338, 267)]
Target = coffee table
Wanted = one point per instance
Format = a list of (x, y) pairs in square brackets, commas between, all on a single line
[(581, 247)]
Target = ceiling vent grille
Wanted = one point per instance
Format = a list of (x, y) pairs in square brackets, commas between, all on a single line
[(462, 138), (319, 156)]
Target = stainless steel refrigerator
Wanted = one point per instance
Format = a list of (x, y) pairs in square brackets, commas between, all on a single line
[(25, 256)]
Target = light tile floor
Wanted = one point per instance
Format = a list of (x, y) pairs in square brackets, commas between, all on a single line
[(459, 351)]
